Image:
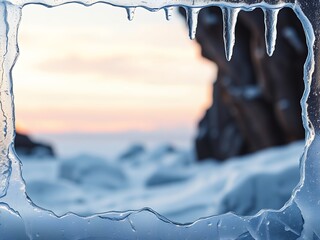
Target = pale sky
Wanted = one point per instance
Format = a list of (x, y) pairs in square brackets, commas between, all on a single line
[(91, 70)]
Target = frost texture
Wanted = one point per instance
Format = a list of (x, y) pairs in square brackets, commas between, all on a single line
[(298, 219)]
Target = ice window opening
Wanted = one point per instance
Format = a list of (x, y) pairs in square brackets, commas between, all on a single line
[(88, 101), (108, 115), (293, 220)]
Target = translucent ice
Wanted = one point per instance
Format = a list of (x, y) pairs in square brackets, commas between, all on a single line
[(130, 12), (168, 11), (229, 24), (192, 18), (299, 218), (270, 21)]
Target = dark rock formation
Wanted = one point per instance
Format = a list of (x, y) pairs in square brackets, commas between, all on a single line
[(25, 146), (256, 98)]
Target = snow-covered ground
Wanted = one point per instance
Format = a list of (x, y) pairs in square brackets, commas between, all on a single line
[(165, 179)]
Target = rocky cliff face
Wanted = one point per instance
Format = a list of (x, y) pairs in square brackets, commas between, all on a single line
[(256, 98)]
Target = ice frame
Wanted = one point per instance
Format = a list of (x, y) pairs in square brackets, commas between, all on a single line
[(297, 219)]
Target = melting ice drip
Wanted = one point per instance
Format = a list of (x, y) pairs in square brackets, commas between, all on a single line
[(20, 219)]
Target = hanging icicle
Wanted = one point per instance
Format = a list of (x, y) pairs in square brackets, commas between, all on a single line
[(270, 21), (230, 16), (192, 17), (130, 13), (168, 11)]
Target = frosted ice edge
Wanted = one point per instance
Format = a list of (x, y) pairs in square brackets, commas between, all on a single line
[(156, 4), (307, 194), (298, 216), (9, 52)]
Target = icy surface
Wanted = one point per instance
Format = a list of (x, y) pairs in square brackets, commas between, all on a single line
[(299, 218), (92, 171), (167, 182)]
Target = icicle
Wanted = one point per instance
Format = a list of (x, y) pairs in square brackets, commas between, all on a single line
[(168, 11), (130, 12), (230, 16), (270, 21), (192, 16)]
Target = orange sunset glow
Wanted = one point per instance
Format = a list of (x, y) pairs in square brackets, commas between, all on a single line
[(107, 74)]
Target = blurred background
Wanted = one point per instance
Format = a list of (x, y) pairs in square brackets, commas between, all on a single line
[(91, 72), (118, 115)]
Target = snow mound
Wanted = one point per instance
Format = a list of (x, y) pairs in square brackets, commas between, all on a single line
[(93, 172)]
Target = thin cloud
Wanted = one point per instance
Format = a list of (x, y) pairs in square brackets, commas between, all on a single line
[(146, 67)]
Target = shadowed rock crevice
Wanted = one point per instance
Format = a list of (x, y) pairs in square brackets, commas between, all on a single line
[(256, 98)]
